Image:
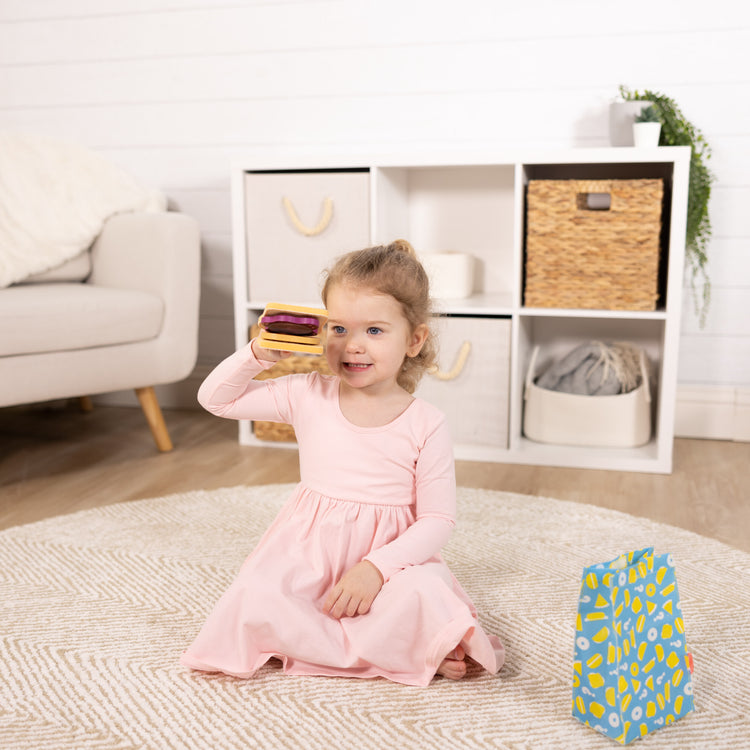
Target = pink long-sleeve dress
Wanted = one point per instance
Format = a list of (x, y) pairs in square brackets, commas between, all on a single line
[(385, 494)]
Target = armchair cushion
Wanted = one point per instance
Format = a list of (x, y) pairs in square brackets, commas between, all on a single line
[(37, 318)]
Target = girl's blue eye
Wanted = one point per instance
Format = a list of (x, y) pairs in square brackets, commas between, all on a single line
[(338, 329), (374, 330)]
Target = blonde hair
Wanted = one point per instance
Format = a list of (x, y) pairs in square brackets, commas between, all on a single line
[(394, 270)]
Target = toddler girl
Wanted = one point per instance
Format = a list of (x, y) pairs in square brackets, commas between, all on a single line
[(348, 580)]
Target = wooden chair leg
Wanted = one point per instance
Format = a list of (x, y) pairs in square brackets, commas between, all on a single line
[(154, 417), (85, 403)]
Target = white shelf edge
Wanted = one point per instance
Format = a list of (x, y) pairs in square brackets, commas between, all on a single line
[(556, 312), (480, 304), (496, 306), (647, 458), (644, 458), (499, 156)]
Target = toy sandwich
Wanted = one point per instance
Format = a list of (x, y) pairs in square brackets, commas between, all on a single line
[(292, 328)]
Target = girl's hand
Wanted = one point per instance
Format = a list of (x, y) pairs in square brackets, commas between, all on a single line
[(269, 355), (355, 592)]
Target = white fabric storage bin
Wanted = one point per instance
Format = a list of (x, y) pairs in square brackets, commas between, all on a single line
[(451, 274), (472, 382), (619, 421), (296, 224)]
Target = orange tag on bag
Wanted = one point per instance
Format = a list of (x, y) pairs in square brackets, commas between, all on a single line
[(689, 660)]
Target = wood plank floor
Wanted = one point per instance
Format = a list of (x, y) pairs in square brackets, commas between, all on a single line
[(60, 460)]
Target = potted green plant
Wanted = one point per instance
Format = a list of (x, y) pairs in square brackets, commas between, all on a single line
[(677, 130), (646, 128)]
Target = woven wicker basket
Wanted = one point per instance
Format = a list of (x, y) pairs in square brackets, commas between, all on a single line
[(577, 257), (278, 431)]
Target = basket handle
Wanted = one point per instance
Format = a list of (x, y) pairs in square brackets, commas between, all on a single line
[(458, 365), (319, 228), (644, 376), (590, 200), (530, 372)]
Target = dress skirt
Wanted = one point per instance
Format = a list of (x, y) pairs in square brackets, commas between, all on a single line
[(274, 607)]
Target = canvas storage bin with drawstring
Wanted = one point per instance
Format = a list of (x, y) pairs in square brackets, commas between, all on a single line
[(593, 244), (297, 222), (470, 384), (597, 395)]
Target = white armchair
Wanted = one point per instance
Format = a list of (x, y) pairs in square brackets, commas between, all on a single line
[(131, 323)]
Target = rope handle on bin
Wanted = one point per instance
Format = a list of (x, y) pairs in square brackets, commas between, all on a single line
[(530, 373), (644, 376), (458, 365), (319, 228)]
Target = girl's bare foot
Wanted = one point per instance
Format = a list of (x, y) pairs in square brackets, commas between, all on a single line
[(453, 667)]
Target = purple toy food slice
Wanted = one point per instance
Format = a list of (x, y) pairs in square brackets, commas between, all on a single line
[(298, 325)]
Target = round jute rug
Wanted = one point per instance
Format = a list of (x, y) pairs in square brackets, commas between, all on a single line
[(97, 606)]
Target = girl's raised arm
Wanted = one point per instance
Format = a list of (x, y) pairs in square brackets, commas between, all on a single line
[(230, 391)]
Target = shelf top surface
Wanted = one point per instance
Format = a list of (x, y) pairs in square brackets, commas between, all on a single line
[(489, 156), (500, 305)]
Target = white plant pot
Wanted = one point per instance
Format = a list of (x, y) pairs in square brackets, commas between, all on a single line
[(621, 119), (646, 134)]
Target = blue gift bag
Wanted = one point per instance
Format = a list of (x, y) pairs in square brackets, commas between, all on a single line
[(631, 670)]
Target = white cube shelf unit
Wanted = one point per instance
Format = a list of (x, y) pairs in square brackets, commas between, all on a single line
[(472, 203)]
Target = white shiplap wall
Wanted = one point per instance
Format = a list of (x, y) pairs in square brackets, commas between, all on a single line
[(174, 90)]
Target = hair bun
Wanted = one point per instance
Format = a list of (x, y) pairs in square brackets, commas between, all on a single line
[(402, 246)]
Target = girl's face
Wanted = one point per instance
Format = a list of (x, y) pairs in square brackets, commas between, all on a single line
[(368, 337)]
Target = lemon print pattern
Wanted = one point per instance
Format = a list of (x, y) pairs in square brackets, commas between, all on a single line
[(631, 671)]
